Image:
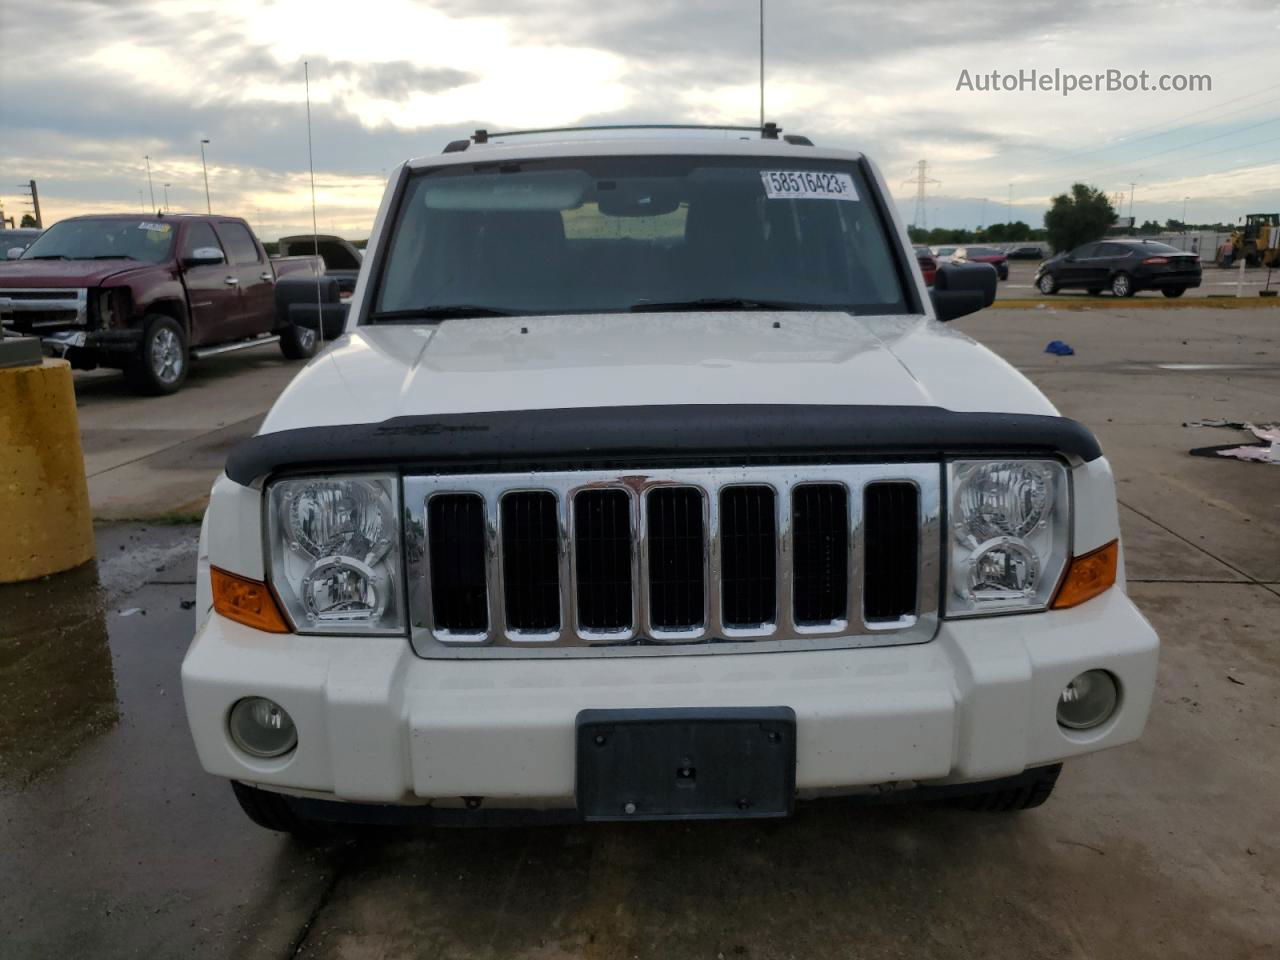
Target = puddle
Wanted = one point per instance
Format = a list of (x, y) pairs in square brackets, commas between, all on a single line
[(57, 686)]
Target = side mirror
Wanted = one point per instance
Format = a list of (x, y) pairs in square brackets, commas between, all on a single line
[(960, 289), (204, 257), (329, 319), (14, 253)]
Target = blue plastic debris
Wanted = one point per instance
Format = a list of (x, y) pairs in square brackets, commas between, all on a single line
[(1060, 348)]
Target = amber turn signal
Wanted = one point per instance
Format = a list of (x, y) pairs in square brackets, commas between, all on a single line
[(246, 601), (1088, 575)]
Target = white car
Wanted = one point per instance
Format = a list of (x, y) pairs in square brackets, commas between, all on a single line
[(645, 482)]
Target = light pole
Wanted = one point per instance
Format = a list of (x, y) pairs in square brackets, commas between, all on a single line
[(150, 185), (166, 196), (208, 207), (1184, 213)]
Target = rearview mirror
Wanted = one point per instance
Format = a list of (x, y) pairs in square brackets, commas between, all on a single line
[(960, 289), (329, 319), (203, 257)]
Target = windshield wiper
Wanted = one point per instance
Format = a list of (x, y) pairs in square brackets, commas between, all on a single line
[(445, 312), (725, 303), (112, 256), (49, 256)]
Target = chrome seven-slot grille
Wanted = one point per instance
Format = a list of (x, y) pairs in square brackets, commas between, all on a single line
[(669, 561)]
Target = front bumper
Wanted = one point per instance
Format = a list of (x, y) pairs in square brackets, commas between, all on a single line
[(378, 724)]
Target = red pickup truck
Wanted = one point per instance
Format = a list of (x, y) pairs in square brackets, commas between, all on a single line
[(149, 294)]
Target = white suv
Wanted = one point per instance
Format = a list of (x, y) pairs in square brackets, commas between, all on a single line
[(644, 482)]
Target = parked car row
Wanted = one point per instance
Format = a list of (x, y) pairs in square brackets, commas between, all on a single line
[(972, 254), (148, 294)]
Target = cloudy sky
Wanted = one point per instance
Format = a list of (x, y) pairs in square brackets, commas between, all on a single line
[(90, 87)]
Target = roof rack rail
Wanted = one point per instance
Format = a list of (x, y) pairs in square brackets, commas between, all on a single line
[(769, 131)]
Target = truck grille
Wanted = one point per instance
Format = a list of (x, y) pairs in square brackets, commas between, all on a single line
[(674, 560), (34, 310)]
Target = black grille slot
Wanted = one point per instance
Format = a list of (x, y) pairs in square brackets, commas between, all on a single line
[(602, 545), (820, 547), (748, 556), (531, 561), (891, 528), (455, 530), (677, 594)]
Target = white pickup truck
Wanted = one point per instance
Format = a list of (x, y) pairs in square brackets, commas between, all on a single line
[(644, 481)]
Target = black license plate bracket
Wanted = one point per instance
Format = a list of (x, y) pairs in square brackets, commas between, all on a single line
[(701, 763)]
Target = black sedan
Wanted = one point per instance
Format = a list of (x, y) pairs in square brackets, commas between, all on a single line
[(1026, 251), (1122, 266)]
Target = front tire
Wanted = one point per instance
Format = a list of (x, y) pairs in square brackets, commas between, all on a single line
[(1172, 292), (1024, 796), (1048, 284), (298, 343), (160, 365), (1122, 285)]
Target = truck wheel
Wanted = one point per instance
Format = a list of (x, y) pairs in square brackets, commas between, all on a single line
[(1174, 291), (1032, 793), (298, 343), (271, 811), (160, 365)]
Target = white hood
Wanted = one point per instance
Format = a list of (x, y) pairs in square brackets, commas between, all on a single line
[(524, 363)]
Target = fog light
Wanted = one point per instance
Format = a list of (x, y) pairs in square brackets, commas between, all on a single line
[(1088, 700), (262, 728)]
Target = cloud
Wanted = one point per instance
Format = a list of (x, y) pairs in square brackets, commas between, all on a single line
[(92, 85)]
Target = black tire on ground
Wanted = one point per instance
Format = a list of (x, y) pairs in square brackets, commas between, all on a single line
[(160, 364), (1094, 291), (270, 810), (1122, 285), (298, 343), (1174, 291), (1025, 796), (1048, 284)]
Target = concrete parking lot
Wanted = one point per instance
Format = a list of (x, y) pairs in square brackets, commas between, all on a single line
[(113, 843)]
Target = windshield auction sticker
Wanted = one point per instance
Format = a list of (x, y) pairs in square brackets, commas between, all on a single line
[(807, 185), (154, 227)]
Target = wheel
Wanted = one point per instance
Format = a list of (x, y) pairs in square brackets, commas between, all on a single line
[(1172, 292), (1048, 284), (1024, 796), (1094, 291), (271, 811), (298, 343), (160, 365), (1122, 285)]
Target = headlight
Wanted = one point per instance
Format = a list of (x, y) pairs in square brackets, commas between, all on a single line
[(1010, 522), (335, 553)]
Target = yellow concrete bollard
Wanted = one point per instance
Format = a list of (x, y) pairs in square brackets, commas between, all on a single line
[(45, 525)]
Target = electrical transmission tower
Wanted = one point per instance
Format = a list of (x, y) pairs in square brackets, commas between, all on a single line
[(922, 180)]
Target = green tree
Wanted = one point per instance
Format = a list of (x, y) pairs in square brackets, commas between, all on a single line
[(1078, 217), (28, 220)]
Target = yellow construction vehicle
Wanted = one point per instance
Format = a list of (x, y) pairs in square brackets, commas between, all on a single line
[(1257, 241)]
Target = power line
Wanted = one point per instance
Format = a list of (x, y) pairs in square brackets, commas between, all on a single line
[(1162, 130)]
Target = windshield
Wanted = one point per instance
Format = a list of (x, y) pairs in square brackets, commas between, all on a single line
[(104, 239), (604, 234)]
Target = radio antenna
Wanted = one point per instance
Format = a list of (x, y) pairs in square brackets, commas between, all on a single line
[(761, 64), (315, 233)]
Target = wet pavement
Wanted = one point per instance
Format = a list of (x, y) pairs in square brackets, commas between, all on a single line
[(113, 842)]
